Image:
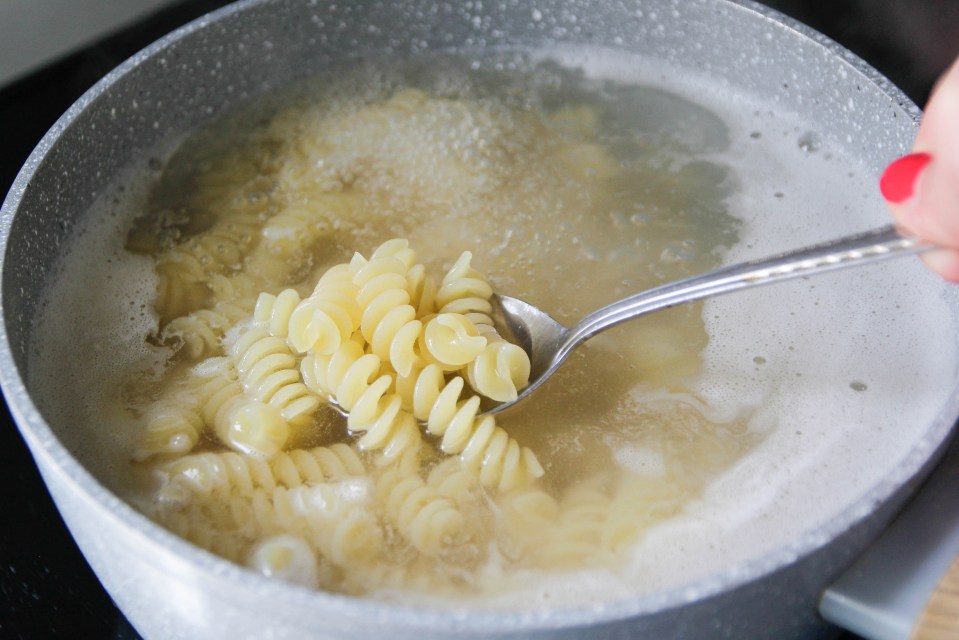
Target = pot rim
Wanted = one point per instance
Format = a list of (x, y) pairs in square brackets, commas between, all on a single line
[(44, 443)]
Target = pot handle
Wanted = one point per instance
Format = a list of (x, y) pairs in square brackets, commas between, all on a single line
[(906, 585)]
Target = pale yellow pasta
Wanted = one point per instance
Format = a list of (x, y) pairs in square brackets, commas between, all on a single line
[(500, 371), (173, 426), (422, 290), (179, 289), (427, 389), (382, 290), (299, 225), (525, 516), (451, 340), (414, 490), (335, 518), (248, 426), (482, 445), (640, 502), (215, 473), (378, 414), (430, 522), (328, 317), (452, 480), (207, 526), (184, 270), (342, 376), (500, 460), (274, 312), (270, 374), (465, 290), (175, 422), (198, 334), (398, 248), (285, 557), (579, 531)]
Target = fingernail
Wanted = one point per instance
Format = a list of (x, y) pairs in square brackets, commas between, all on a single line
[(898, 181)]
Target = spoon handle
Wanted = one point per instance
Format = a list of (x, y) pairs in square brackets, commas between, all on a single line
[(850, 251)]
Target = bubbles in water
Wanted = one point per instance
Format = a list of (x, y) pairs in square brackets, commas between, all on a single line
[(810, 142)]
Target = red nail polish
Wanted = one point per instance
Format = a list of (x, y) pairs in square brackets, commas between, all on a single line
[(899, 179)]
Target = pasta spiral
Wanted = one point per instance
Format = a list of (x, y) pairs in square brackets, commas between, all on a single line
[(328, 317), (379, 416), (198, 334), (580, 530), (481, 444), (184, 268), (451, 340), (343, 375), (274, 312), (428, 520), (269, 374), (248, 426), (501, 368), (286, 557), (465, 290), (388, 322), (173, 426), (334, 518), (217, 473)]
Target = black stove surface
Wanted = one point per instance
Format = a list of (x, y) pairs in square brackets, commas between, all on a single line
[(47, 590)]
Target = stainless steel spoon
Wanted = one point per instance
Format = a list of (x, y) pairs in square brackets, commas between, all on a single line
[(549, 343)]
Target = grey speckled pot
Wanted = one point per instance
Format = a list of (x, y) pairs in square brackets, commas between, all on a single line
[(170, 589)]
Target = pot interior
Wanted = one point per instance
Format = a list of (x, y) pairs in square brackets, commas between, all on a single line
[(831, 392)]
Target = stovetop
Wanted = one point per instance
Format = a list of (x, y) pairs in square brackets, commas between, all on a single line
[(46, 588)]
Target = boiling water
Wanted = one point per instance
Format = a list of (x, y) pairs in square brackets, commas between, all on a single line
[(757, 416)]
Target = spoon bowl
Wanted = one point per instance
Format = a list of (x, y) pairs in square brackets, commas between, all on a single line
[(549, 343)]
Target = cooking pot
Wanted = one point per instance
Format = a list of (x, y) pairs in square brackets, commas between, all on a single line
[(170, 589)]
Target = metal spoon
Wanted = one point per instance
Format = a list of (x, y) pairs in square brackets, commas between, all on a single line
[(549, 343)]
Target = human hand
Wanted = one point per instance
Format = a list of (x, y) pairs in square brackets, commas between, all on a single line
[(922, 189)]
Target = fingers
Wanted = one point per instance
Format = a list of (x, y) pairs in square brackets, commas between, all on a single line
[(922, 189)]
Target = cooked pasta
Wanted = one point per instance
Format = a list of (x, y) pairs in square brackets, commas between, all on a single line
[(328, 317), (248, 426), (388, 322), (274, 311), (335, 518), (319, 420), (452, 480), (428, 520), (451, 340), (580, 530), (524, 516), (480, 443), (185, 269), (285, 557), (465, 290), (344, 375), (269, 374), (198, 334), (379, 416), (173, 426), (216, 473), (500, 370)]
